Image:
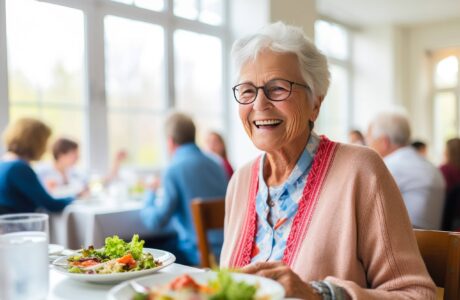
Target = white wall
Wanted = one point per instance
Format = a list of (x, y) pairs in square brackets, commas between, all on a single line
[(295, 12), (377, 72), (424, 38), (392, 69)]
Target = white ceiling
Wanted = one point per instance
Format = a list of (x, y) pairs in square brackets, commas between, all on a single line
[(402, 12)]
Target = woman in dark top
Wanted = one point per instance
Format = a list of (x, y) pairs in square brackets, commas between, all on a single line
[(20, 190), (451, 168), (216, 145)]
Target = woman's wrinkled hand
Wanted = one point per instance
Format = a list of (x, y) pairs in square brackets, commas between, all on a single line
[(278, 271)]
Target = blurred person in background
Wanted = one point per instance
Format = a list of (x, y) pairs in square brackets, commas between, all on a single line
[(61, 177), (450, 169), (420, 182), (356, 137), (190, 174), (324, 219), (420, 147), (20, 189), (215, 144)]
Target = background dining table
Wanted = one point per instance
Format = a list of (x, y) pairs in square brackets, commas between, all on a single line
[(64, 288), (89, 222)]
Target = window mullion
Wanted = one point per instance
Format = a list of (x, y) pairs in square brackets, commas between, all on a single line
[(199, 7), (96, 129), (4, 111), (80, 4), (226, 84), (171, 93), (133, 13)]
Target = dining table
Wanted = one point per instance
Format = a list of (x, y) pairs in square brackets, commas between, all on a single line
[(89, 221), (62, 287)]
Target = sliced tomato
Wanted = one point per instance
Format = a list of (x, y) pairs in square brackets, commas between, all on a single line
[(127, 260), (85, 263), (184, 282)]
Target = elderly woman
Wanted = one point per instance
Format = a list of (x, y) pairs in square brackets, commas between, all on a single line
[(326, 220), (20, 190)]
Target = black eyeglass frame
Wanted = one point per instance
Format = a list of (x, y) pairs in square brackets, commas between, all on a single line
[(264, 88)]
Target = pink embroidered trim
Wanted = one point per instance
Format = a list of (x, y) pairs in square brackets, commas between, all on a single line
[(302, 219), (307, 204), (242, 255)]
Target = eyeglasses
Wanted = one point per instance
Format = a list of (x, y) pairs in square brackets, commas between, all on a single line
[(274, 90)]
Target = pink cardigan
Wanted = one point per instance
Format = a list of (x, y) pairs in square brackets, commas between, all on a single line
[(352, 227)]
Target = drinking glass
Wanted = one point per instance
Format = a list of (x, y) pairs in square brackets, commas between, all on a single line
[(24, 256)]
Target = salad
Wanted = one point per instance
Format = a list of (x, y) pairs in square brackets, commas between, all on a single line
[(115, 257), (184, 287)]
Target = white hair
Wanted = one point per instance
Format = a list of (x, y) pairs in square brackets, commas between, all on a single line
[(280, 37), (393, 125)]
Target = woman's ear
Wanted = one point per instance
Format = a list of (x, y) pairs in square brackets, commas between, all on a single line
[(318, 100)]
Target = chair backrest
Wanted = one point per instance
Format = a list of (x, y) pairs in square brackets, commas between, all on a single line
[(207, 214), (441, 253)]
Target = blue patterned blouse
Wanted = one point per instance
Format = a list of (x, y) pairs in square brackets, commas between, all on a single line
[(276, 206)]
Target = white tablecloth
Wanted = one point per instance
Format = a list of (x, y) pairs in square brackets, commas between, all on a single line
[(87, 223), (62, 287)]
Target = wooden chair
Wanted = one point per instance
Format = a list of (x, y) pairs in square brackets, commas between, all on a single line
[(207, 214), (441, 252)]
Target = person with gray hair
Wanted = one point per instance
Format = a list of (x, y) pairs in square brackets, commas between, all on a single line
[(190, 174), (420, 182), (323, 219)]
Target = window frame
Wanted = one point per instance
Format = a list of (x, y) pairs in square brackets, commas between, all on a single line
[(347, 64), (95, 107), (436, 57)]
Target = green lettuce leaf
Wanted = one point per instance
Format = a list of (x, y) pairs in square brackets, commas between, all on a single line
[(136, 247), (229, 289), (115, 247)]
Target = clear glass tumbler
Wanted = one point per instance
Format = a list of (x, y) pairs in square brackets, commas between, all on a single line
[(24, 256)]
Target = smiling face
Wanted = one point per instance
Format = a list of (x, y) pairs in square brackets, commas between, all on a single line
[(272, 125)]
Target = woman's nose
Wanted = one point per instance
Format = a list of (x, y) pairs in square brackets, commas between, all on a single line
[(261, 102)]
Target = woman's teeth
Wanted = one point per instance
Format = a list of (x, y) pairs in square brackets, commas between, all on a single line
[(267, 123)]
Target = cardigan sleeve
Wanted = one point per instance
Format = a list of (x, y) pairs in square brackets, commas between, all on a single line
[(235, 211), (387, 246)]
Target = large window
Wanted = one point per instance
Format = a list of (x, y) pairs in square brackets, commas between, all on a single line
[(206, 11), (198, 89), (135, 88), (334, 41), (446, 97), (45, 45), (105, 72)]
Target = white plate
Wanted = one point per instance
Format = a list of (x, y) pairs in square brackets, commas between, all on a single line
[(267, 287), (166, 258), (54, 249)]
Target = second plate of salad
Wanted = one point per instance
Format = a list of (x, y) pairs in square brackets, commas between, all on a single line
[(115, 262), (200, 286)]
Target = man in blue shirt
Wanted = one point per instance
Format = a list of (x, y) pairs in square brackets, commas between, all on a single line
[(190, 174)]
